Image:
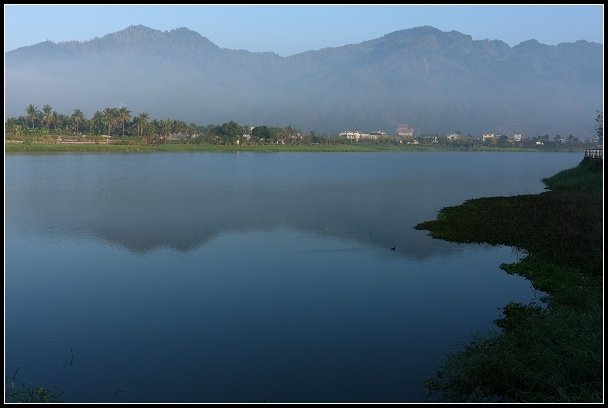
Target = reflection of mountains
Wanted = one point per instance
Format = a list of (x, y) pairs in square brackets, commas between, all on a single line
[(181, 201), (182, 218)]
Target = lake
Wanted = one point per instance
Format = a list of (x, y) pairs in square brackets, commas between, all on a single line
[(250, 277)]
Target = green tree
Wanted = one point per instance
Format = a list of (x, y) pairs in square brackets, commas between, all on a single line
[(141, 121), (60, 121), (231, 131), (261, 133), (56, 120), (77, 117), (97, 122), (123, 115), (599, 128), (47, 115), (165, 126), (110, 118), (32, 113)]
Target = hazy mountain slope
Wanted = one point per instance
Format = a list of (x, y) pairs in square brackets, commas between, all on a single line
[(435, 81)]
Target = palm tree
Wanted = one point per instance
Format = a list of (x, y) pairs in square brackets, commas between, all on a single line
[(124, 115), (156, 128), (110, 116), (142, 121), (96, 121), (32, 113), (77, 116), (60, 121), (47, 114), (166, 129)]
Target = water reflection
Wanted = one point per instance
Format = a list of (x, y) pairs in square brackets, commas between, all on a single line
[(282, 316), (292, 293), (181, 201)]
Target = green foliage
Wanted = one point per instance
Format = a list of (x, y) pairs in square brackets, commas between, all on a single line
[(30, 395), (563, 226), (262, 133), (586, 176), (32, 113), (168, 131), (545, 354), (16, 390), (231, 132)]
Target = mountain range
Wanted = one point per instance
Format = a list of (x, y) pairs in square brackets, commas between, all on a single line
[(434, 81)]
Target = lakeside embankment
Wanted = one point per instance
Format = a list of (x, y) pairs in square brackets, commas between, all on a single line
[(203, 147), (546, 353)]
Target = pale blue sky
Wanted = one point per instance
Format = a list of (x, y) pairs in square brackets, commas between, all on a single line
[(290, 29)]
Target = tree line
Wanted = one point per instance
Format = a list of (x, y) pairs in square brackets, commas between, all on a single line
[(123, 123)]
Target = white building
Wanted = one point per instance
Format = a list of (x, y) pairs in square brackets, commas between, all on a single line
[(369, 136), (356, 136), (405, 130), (351, 135)]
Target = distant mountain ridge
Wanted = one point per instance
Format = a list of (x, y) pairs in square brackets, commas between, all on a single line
[(435, 81)]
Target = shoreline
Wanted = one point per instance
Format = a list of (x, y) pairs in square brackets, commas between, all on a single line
[(544, 354), (10, 148)]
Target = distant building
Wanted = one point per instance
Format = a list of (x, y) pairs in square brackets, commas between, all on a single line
[(405, 130), (488, 136), (453, 136), (517, 137), (356, 136), (348, 135)]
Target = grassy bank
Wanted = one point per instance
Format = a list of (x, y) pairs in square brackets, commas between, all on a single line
[(544, 354), (587, 176), (202, 147)]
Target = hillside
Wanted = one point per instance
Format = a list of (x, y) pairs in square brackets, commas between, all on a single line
[(432, 80)]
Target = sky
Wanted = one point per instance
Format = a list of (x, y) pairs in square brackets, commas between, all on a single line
[(291, 29)]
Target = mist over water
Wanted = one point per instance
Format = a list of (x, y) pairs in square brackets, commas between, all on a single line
[(180, 201)]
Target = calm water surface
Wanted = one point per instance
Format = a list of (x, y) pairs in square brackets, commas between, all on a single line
[(202, 277)]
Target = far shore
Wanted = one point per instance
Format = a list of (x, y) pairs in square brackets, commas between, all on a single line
[(16, 147)]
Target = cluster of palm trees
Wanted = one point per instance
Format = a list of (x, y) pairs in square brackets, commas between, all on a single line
[(109, 117), (111, 121), (114, 121), (48, 117)]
